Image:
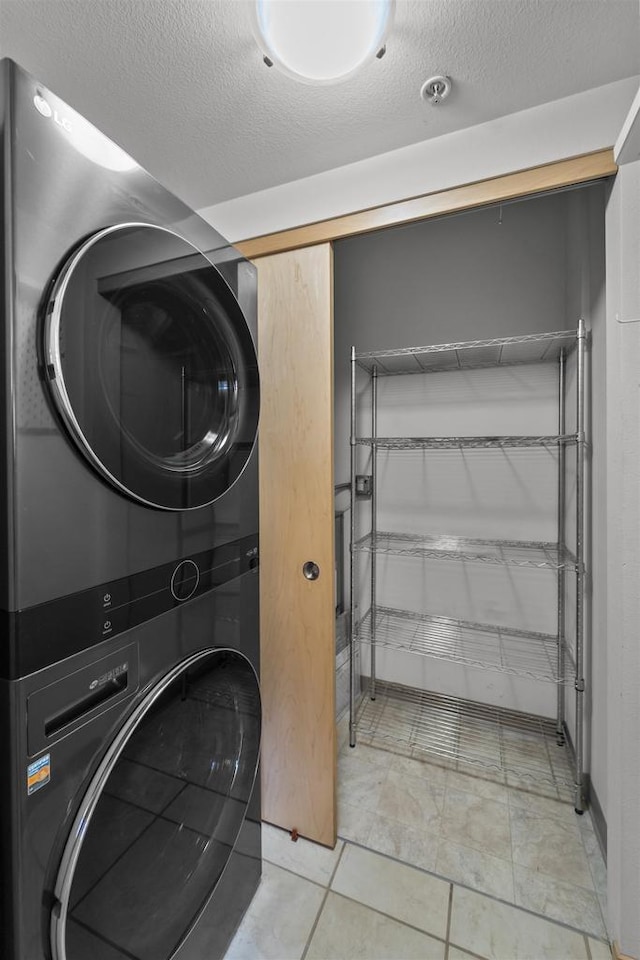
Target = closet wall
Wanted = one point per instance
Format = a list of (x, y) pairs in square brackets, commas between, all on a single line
[(528, 267)]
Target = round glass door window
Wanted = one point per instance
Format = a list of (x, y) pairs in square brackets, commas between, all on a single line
[(152, 367), (161, 816)]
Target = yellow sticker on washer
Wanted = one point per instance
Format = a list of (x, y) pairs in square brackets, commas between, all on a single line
[(38, 773)]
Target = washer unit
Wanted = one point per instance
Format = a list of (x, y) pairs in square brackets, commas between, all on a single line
[(134, 804), (128, 580)]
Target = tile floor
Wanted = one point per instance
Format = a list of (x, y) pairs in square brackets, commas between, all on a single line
[(352, 902), (526, 849), (432, 862)]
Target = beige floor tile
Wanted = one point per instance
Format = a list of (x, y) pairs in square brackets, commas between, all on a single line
[(475, 869), (414, 846), (543, 806), (597, 864), (604, 910), (487, 774), (533, 758), (456, 954), (354, 823), (411, 800), (380, 758), (478, 823), (599, 950), (502, 932), (342, 731), (349, 930), (594, 854), (532, 783), (478, 785), (558, 901), (359, 781), (424, 755), (566, 793), (401, 891), (310, 860), (549, 846), (271, 930), (410, 767)]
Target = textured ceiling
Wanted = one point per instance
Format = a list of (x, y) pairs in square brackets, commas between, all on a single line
[(181, 85)]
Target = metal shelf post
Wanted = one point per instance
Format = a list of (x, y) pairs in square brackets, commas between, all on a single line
[(580, 460), (374, 521), (352, 557), (560, 718)]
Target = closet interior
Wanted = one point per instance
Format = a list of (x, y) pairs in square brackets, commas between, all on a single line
[(469, 412)]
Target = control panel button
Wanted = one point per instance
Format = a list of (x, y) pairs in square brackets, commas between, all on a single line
[(185, 580)]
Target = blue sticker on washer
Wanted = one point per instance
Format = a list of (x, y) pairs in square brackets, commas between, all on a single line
[(38, 773)]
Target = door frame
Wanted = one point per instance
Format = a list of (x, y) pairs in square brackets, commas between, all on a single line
[(566, 173), (549, 176)]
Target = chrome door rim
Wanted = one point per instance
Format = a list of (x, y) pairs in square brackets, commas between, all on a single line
[(53, 360), (93, 793)]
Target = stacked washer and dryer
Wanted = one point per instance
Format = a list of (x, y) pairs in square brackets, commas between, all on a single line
[(129, 658)]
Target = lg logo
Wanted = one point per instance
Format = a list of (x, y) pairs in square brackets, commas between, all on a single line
[(47, 111)]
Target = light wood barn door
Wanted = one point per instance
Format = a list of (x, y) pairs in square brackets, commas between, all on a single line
[(295, 342)]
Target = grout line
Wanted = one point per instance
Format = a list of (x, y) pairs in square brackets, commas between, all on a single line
[(587, 947), (468, 953), (321, 908), (338, 861), (480, 893), (388, 916), (448, 931), (591, 857), (301, 876), (513, 865)]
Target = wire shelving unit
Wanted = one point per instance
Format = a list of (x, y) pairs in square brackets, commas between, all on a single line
[(516, 553), (449, 443), (513, 746), (521, 653)]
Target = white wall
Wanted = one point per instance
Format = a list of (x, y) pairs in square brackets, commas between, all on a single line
[(554, 131), (623, 516)]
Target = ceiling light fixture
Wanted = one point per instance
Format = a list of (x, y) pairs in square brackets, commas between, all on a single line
[(321, 41)]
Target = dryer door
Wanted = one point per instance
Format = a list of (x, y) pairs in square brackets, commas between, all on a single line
[(152, 367), (161, 815)]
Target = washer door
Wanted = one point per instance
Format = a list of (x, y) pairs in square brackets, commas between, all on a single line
[(152, 367), (161, 816)]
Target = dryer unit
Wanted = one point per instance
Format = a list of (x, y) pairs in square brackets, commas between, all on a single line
[(129, 378), (128, 552)]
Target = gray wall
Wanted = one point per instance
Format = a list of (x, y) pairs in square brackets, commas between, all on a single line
[(532, 267), (459, 278)]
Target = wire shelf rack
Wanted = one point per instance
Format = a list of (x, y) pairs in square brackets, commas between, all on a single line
[(520, 653), (447, 443), (517, 748), (470, 354), (519, 553)]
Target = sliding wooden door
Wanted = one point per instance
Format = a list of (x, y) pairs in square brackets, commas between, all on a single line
[(295, 338)]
